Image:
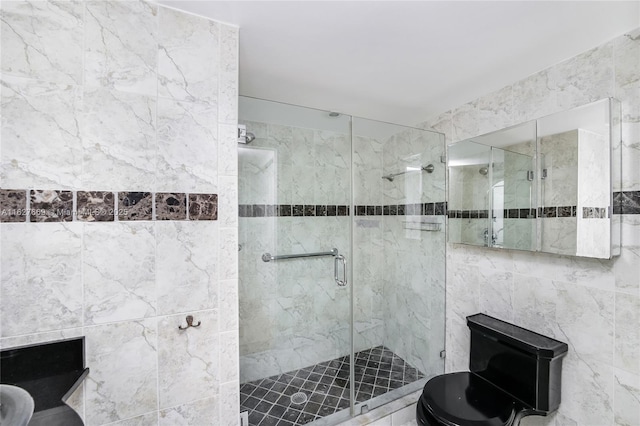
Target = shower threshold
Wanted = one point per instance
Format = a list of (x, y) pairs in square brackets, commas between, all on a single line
[(323, 389)]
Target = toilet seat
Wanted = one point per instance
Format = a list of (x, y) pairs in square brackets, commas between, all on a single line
[(465, 399)]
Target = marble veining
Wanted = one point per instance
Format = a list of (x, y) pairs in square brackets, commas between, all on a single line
[(43, 40), (579, 80), (626, 398), (120, 52), (31, 258), (186, 266), (187, 359), (119, 269), (119, 139), (123, 358), (186, 158), (592, 304), (106, 104), (495, 110), (534, 96), (188, 57), (464, 122), (41, 140), (201, 412)]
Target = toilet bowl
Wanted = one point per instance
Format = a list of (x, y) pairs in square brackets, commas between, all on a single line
[(513, 373)]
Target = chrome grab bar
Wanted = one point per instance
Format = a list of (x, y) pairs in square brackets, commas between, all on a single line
[(268, 257), (340, 259)]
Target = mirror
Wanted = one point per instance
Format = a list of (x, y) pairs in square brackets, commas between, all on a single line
[(544, 185), (492, 193), (576, 160)]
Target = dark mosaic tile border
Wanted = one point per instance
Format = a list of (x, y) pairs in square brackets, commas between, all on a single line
[(326, 385), (298, 210), (100, 206), (95, 206), (171, 206), (268, 210), (595, 212), (557, 211), (572, 211), (626, 202), (484, 214), (135, 206), (51, 206), (203, 206), (542, 212), (13, 206)]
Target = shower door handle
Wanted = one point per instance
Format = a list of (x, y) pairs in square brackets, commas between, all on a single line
[(336, 266)]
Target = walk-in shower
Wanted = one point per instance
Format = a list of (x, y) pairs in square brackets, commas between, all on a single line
[(341, 280)]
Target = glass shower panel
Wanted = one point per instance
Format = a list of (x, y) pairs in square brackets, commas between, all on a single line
[(295, 318), (398, 259)]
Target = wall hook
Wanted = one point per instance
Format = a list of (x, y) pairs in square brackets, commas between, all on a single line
[(189, 323)]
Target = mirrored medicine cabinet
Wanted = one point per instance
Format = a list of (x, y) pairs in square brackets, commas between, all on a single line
[(545, 185)]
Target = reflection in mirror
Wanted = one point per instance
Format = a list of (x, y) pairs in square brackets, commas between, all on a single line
[(546, 185), (491, 189), (469, 187), (575, 181)]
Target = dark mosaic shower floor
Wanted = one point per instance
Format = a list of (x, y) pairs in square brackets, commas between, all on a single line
[(326, 385)]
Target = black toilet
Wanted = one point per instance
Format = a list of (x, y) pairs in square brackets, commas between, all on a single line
[(514, 373)]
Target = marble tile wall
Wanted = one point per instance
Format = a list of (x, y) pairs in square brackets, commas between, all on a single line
[(126, 107), (296, 304), (104, 206), (593, 305), (593, 155), (413, 257), (294, 189), (293, 313)]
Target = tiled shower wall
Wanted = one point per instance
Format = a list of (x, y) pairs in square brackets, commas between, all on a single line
[(413, 254), (120, 97), (293, 313), (593, 305)]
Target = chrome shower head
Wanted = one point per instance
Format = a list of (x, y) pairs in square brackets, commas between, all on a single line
[(483, 171), (244, 136)]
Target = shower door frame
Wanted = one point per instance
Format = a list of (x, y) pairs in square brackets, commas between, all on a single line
[(355, 408)]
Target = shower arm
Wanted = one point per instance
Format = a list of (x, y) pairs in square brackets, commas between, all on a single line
[(428, 168)]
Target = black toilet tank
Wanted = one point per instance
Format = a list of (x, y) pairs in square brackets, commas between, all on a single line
[(525, 364)]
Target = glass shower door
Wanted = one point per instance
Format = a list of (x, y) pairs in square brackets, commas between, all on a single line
[(342, 262), (398, 260), (295, 309)]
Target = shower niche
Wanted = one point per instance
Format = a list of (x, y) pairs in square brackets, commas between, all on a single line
[(545, 185)]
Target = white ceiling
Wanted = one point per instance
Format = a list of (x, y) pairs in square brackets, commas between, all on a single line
[(404, 61)]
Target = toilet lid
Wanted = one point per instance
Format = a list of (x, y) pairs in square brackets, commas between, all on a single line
[(464, 399)]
